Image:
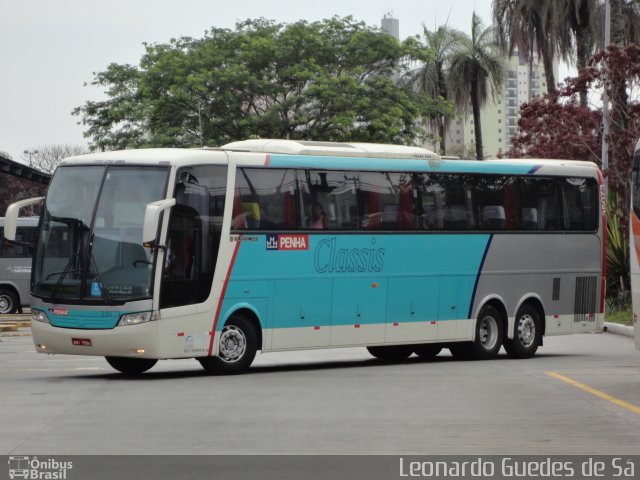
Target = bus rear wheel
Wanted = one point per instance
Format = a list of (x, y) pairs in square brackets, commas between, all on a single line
[(527, 334), (488, 338), (237, 348), (391, 353), (8, 301), (131, 366)]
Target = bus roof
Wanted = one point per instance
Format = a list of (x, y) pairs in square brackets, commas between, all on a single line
[(332, 155)]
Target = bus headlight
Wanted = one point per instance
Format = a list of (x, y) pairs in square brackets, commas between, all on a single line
[(39, 316), (136, 318)]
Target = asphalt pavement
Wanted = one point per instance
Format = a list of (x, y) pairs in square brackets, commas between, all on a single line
[(579, 395)]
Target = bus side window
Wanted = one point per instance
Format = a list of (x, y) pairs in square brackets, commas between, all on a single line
[(335, 192), (580, 204), (541, 195), (265, 199)]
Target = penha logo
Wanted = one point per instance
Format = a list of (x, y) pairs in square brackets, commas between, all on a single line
[(287, 242), (62, 312), (330, 258)]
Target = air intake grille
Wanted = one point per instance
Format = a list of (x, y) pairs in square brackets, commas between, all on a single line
[(556, 290), (585, 305)]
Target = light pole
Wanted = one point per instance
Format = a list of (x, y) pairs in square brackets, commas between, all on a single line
[(30, 153), (605, 103)]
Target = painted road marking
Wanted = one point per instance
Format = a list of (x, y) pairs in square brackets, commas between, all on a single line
[(597, 393)]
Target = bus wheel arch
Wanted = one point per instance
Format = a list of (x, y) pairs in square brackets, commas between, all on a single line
[(9, 299), (251, 316), (528, 330)]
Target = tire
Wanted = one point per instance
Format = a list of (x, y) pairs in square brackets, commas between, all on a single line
[(237, 348), (131, 366), (427, 350), (488, 338), (9, 302), (527, 334), (391, 353)]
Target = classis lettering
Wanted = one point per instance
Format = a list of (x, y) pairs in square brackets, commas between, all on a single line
[(329, 258)]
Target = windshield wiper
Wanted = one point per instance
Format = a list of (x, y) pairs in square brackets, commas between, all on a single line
[(63, 274)]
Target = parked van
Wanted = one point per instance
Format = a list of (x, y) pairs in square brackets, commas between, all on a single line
[(15, 265)]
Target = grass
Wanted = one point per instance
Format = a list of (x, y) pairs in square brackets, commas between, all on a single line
[(623, 317)]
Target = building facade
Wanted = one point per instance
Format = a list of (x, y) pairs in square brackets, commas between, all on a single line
[(522, 81)]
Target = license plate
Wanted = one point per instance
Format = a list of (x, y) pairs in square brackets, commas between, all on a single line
[(81, 342)]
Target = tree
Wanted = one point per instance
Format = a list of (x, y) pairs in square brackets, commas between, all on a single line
[(556, 126), (529, 25), (476, 72), (48, 156), (577, 22), (430, 78), (329, 80)]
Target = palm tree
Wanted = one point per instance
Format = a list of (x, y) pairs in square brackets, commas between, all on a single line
[(430, 78), (529, 25), (476, 70), (577, 22)]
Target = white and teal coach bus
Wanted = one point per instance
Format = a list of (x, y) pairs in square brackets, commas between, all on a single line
[(276, 245)]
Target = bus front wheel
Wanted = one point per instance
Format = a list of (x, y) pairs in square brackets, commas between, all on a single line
[(8, 301), (237, 348), (527, 335), (131, 366)]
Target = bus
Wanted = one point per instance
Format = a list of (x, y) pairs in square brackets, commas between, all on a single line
[(273, 245), (634, 240), (15, 265)]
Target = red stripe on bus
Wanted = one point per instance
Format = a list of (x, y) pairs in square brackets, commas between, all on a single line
[(224, 291), (267, 160)]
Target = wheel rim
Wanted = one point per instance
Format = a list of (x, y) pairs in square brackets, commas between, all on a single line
[(6, 305), (488, 333), (233, 344), (526, 330)]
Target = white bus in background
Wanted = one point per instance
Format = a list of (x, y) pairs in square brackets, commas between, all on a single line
[(15, 265)]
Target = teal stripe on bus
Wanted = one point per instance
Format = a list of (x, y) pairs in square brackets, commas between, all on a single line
[(340, 279), (409, 165)]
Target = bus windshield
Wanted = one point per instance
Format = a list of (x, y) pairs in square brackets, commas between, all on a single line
[(90, 240)]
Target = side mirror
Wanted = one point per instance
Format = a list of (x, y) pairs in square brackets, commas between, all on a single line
[(152, 219), (11, 217)]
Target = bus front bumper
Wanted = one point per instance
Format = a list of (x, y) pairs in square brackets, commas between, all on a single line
[(139, 341)]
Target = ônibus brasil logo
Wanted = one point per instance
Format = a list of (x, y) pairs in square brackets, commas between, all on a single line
[(38, 469)]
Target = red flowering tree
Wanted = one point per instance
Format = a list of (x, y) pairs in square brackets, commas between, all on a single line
[(556, 126)]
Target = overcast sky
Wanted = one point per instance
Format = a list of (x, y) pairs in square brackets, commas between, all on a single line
[(50, 48)]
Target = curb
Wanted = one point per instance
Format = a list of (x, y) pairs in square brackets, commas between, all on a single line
[(618, 329)]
